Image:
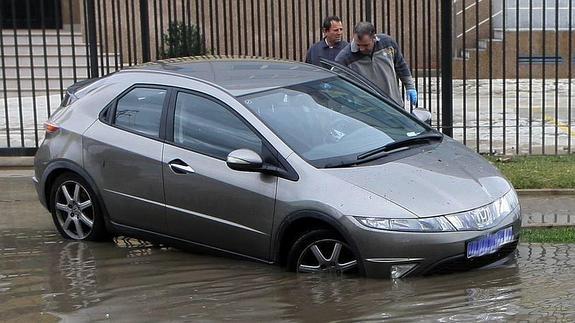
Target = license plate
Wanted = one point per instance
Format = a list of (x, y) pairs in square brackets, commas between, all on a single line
[(490, 243)]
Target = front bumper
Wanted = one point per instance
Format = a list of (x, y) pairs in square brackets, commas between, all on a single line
[(431, 253)]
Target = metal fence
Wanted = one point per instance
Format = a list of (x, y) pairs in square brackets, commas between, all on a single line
[(496, 74), (514, 69)]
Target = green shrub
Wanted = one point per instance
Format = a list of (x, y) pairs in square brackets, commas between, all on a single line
[(183, 40)]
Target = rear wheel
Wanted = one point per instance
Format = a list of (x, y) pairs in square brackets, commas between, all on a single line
[(75, 209), (322, 251)]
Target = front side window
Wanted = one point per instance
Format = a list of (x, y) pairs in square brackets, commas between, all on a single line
[(209, 128), (140, 110), (331, 121)]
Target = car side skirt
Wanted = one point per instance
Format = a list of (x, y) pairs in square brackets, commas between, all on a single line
[(178, 242)]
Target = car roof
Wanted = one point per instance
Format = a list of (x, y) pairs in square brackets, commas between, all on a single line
[(239, 75)]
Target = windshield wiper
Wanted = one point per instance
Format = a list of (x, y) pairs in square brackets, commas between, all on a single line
[(401, 145)]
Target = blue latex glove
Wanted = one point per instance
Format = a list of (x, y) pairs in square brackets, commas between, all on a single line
[(412, 95)]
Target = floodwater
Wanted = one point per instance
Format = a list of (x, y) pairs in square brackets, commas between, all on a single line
[(46, 278)]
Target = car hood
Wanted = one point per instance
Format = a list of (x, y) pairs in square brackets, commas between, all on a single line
[(449, 178)]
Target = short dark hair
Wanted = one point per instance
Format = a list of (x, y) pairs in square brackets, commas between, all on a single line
[(364, 28), (326, 25)]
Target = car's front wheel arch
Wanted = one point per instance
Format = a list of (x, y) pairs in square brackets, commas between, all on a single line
[(298, 224)]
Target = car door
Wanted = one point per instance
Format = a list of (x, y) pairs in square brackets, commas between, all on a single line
[(123, 153), (207, 202)]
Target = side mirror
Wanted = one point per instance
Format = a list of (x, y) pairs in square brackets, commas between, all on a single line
[(244, 160), (422, 115)]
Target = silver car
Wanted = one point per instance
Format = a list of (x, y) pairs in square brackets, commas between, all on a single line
[(274, 161)]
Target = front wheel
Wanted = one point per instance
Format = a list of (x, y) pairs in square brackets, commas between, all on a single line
[(322, 251), (75, 210)]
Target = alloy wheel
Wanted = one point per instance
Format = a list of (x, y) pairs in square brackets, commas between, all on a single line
[(74, 210), (327, 255)]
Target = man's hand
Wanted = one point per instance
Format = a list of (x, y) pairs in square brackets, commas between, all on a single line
[(412, 95)]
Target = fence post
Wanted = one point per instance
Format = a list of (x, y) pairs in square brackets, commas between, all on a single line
[(368, 11), (145, 28), (92, 38), (446, 67)]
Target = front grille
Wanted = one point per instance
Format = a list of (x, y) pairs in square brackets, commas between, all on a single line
[(461, 263)]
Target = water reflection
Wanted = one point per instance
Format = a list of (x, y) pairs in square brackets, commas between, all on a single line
[(133, 280), (75, 273)]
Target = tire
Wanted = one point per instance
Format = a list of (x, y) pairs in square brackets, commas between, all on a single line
[(315, 252), (75, 209)]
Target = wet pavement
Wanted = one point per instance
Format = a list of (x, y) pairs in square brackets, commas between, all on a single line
[(46, 278)]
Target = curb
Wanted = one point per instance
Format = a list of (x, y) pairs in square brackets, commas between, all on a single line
[(546, 192), (16, 162), (546, 225)]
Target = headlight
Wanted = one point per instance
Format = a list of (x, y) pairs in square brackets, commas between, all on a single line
[(506, 204), (435, 224), (486, 216), (478, 219)]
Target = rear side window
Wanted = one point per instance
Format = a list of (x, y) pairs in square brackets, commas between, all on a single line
[(209, 128), (140, 110)]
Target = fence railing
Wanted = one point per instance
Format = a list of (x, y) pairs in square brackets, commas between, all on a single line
[(496, 74)]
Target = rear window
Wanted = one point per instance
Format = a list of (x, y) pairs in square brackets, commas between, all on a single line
[(77, 91), (80, 89)]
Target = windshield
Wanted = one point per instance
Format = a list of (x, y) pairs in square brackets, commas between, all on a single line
[(331, 120)]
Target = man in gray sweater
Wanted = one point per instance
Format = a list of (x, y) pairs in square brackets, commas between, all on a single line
[(378, 58)]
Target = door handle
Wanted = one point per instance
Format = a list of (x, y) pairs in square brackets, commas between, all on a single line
[(179, 167)]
